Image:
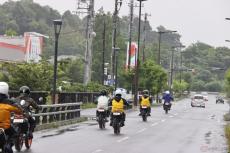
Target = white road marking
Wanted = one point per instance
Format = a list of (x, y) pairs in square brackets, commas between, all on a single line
[(154, 124), (123, 139), (98, 150), (163, 120), (142, 130), (175, 114), (171, 116)]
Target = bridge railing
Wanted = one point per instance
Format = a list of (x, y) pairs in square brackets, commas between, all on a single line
[(57, 112)]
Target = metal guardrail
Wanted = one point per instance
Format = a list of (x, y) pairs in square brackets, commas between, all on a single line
[(57, 112)]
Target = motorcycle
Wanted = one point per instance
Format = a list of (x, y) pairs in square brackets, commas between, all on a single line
[(144, 113), (23, 126), (117, 122), (101, 117), (166, 107), (3, 142)]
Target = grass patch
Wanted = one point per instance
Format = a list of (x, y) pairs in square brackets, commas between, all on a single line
[(227, 117), (88, 105), (227, 134)]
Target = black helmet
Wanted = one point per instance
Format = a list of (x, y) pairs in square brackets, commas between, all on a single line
[(103, 93), (24, 90)]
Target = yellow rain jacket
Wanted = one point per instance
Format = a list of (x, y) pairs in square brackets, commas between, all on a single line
[(5, 114), (117, 106), (145, 101)]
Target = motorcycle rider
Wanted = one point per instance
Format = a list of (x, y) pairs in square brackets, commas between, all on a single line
[(29, 102), (145, 100), (118, 103), (102, 102), (7, 107), (167, 97)]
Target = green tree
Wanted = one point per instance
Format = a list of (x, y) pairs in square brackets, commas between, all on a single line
[(214, 86), (152, 77), (38, 76), (10, 32), (179, 87), (227, 83)]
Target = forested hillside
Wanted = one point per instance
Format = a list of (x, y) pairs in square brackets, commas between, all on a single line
[(25, 15)]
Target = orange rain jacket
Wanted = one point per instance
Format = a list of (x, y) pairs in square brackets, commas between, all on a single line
[(6, 108)]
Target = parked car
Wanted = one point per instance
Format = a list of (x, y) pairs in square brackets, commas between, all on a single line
[(219, 99), (198, 101)]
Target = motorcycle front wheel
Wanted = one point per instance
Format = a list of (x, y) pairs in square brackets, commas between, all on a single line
[(144, 117), (19, 143), (28, 142), (116, 127)]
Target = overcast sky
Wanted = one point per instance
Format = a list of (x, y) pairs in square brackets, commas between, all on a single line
[(195, 20)]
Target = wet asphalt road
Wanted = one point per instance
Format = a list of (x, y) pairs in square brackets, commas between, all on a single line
[(183, 130)]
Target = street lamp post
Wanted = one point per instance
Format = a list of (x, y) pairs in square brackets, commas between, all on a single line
[(138, 52), (57, 30), (159, 43)]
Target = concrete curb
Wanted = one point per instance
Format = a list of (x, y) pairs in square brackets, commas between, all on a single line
[(60, 123)]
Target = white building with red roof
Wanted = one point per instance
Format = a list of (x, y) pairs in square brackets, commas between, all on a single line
[(21, 49)]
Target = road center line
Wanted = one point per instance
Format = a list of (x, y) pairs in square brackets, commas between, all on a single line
[(163, 120), (123, 139), (98, 150), (154, 124), (142, 130)]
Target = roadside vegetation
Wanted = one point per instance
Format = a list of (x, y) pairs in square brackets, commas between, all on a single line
[(227, 134)]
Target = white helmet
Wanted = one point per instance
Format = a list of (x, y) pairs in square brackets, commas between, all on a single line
[(167, 92), (4, 88), (118, 92)]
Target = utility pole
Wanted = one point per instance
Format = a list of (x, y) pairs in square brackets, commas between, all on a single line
[(103, 51), (130, 30), (114, 40), (172, 64), (144, 32), (89, 37), (159, 49), (181, 46), (171, 69), (138, 51)]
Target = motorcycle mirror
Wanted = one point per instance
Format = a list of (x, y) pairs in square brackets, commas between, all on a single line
[(22, 102)]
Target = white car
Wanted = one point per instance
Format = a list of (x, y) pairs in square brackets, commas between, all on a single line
[(198, 101)]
